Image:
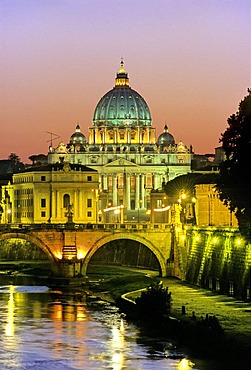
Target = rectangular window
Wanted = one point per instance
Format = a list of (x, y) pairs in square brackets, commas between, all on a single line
[(89, 214), (89, 178), (43, 203), (43, 214), (89, 203), (43, 178), (159, 203)]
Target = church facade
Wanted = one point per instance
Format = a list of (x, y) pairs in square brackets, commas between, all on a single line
[(122, 147)]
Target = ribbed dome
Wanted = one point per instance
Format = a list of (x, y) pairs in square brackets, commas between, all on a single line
[(122, 106), (165, 138), (77, 137)]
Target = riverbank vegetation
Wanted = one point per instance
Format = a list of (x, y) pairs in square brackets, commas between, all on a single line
[(114, 281)]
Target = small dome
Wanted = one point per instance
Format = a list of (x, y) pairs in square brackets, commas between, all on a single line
[(77, 137), (122, 106), (165, 138)]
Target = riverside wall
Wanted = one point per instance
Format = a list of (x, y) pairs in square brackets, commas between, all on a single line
[(218, 259)]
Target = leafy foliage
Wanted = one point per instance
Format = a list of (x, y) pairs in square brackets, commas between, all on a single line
[(186, 182), (154, 303), (234, 181), (16, 164)]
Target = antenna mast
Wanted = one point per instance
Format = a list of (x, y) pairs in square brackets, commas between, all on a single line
[(52, 138)]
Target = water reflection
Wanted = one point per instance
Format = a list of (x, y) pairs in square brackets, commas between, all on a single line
[(117, 346), (9, 329), (42, 327), (185, 364)]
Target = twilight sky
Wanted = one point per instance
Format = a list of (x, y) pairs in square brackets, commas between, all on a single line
[(189, 59)]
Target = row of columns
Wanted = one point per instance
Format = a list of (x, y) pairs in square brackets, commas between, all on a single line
[(140, 192), (143, 135), (57, 209)]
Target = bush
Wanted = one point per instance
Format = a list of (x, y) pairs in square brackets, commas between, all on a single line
[(154, 302)]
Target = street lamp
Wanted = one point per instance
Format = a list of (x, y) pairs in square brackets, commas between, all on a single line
[(117, 210), (8, 216)]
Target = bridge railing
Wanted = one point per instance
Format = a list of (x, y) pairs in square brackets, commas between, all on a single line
[(132, 226)]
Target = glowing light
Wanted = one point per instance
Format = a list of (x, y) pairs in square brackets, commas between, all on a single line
[(162, 209), (117, 211), (80, 255), (238, 241), (113, 208), (185, 364), (215, 240), (9, 329), (9, 211), (197, 237), (183, 196), (122, 327), (58, 255)]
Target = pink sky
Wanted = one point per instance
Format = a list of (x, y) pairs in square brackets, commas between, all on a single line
[(189, 59)]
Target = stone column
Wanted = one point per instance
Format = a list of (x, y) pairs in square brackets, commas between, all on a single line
[(155, 180), (114, 191), (137, 192), (81, 205), (100, 178), (75, 205), (128, 192), (53, 204), (143, 191), (128, 133), (105, 183), (57, 204)]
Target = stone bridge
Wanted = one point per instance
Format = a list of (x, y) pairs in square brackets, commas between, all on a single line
[(70, 247)]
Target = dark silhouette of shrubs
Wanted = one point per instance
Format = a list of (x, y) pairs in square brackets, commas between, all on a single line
[(154, 303)]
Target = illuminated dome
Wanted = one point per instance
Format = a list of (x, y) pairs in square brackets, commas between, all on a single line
[(165, 138), (77, 138), (122, 106)]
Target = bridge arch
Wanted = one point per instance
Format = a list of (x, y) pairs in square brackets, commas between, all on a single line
[(38, 242), (113, 237)]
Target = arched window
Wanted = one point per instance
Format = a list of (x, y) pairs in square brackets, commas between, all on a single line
[(66, 200)]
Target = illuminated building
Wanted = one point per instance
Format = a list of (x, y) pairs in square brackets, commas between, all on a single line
[(56, 193), (122, 147), (210, 210)]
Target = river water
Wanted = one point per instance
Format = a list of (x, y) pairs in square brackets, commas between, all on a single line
[(44, 329)]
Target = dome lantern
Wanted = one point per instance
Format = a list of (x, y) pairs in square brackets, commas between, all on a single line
[(122, 76)]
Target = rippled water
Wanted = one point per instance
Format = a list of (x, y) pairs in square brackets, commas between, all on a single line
[(44, 329)]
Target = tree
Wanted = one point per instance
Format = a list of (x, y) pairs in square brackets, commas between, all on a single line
[(154, 302), (14, 158), (16, 164), (234, 181)]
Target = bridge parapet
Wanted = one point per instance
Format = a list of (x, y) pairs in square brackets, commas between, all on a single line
[(73, 226)]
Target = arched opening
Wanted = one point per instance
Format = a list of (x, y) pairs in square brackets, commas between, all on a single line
[(21, 256), (125, 253), (66, 201)]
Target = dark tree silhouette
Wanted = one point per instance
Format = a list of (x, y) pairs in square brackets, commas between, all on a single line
[(16, 164), (234, 183), (14, 158)]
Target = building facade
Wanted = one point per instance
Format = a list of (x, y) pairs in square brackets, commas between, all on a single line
[(57, 193), (210, 210), (123, 148)]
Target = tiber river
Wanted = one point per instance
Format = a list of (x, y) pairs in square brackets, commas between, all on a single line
[(42, 329)]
